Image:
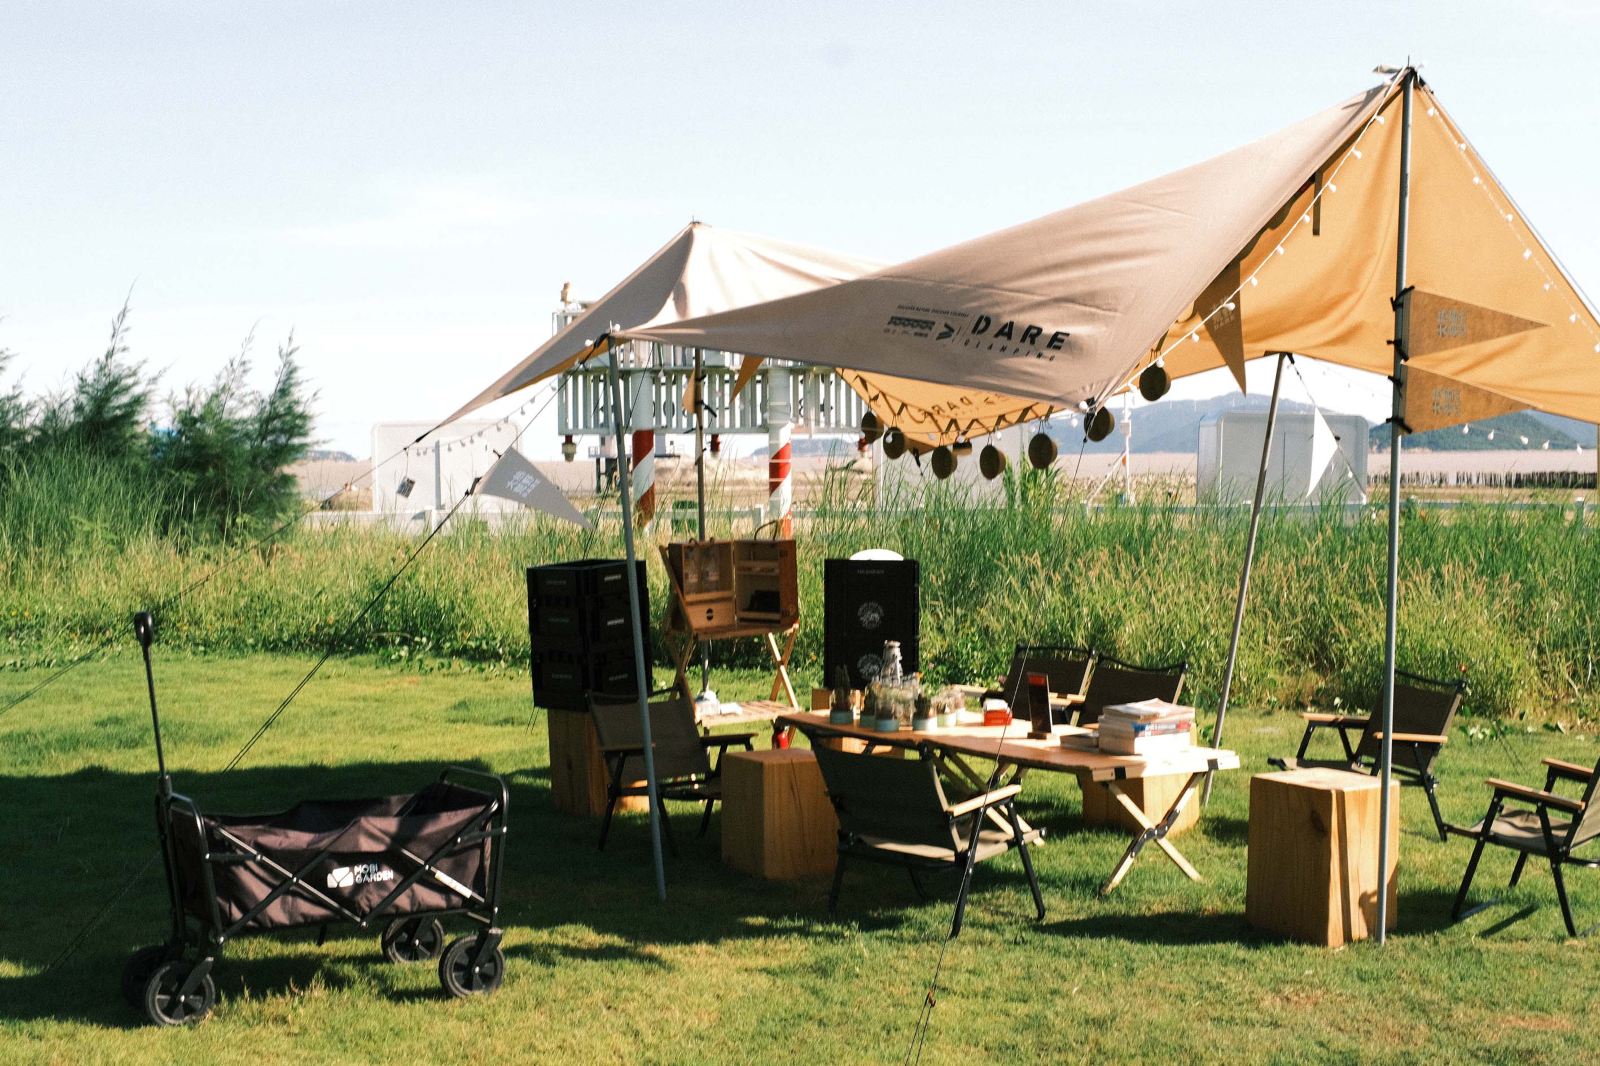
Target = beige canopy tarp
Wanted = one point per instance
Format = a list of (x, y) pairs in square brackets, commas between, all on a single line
[(701, 271), (1284, 244)]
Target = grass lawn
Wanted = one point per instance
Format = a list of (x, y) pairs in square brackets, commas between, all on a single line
[(733, 969)]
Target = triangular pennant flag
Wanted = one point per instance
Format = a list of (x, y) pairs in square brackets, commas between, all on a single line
[(1437, 323), (1324, 446), (514, 478), (747, 370), (1433, 401), (1225, 326)]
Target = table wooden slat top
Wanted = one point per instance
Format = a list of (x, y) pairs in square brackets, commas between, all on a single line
[(749, 711), (1010, 744)]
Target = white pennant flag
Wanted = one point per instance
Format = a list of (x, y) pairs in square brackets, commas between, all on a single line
[(512, 477), (1324, 446)]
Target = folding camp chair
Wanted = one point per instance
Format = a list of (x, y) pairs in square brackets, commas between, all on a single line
[(1423, 711), (1067, 668), (684, 770), (894, 811), (1115, 681), (1534, 830)]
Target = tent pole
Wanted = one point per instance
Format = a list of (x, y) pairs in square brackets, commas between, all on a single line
[(1249, 561), (700, 486), (625, 490), (1396, 421)]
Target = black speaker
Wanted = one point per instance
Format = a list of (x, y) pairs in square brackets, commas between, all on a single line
[(866, 602)]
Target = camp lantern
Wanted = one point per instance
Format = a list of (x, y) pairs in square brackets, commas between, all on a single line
[(1154, 382), (1099, 424), (944, 462), (894, 443), (1041, 451), (991, 462), (871, 428)]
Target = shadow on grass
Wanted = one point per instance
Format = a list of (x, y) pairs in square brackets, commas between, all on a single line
[(73, 842)]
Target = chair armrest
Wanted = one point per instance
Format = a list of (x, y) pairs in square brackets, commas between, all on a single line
[(1415, 738), (1533, 795), (623, 749), (986, 799), (1570, 770), (1337, 721), (727, 740)]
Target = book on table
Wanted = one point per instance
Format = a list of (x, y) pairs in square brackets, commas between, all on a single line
[(1148, 727)]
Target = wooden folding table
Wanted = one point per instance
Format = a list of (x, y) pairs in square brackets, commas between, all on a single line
[(1016, 755)]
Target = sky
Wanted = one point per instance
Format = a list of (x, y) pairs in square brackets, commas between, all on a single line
[(406, 186)]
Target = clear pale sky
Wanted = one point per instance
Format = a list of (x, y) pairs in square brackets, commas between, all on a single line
[(407, 185)]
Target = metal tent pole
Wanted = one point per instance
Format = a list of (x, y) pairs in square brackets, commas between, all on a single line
[(700, 486), (1396, 420), (625, 486), (1249, 561)]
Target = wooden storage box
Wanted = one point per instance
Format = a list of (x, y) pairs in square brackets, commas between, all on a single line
[(777, 821), (1313, 858), (734, 584), (578, 775)]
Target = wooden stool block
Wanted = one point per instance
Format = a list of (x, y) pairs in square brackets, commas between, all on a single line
[(777, 821), (1313, 858), (578, 776), (1152, 796)]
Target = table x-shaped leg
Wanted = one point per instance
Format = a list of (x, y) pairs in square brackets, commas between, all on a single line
[(1152, 831), (780, 659)]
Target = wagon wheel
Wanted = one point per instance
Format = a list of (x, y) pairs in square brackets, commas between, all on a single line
[(461, 977), (413, 940), (137, 970), (167, 1004)]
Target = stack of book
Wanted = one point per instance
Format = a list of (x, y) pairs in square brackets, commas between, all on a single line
[(1149, 727)]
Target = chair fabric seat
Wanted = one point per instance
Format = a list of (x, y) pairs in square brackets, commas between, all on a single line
[(992, 841), (1523, 831), (691, 790)]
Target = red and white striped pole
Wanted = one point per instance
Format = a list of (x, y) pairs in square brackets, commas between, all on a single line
[(642, 471), (780, 482)]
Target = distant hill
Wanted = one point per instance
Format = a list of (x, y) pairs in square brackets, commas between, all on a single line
[(325, 455), (1517, 430)]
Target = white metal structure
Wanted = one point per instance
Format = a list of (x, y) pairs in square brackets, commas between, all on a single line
[(1228, 458)]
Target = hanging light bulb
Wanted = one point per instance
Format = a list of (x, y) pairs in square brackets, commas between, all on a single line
[(944, 462), (1041, 451), (894, 443), (991, 462), (569, 448), (1154, 382), (1100, 426)]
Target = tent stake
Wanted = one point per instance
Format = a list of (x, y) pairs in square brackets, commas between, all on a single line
[(625, 486), (1391, 614), (1244, 577)]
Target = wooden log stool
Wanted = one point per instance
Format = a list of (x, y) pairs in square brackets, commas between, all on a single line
[(777, 821), (1313, 859), (578, 776)]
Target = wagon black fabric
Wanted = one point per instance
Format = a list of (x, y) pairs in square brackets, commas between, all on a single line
[(350, 854)]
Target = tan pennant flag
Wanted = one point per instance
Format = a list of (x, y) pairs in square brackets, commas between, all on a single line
[(1433, 401), (1225, 326), (1437, 323), (512, 477)]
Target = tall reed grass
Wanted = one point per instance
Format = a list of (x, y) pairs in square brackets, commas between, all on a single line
[(1507, 598)]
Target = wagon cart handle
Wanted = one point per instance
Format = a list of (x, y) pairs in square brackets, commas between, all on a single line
[(144, 627)]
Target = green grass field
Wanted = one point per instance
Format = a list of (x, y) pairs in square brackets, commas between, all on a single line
[(732, 969)]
